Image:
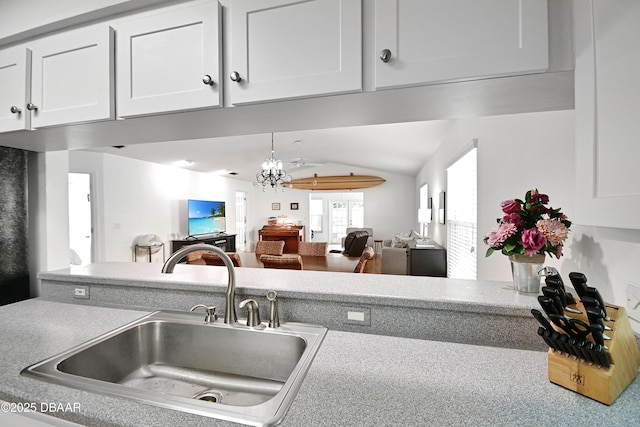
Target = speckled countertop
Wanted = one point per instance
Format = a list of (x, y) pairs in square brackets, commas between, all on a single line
[(406, 291), (355, 380)]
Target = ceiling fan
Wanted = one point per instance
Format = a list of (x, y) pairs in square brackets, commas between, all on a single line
[(301, 161)]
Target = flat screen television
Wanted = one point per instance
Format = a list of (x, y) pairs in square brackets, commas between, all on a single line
[(206, 217)]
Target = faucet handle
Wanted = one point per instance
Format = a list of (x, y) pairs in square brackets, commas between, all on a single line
[(274, 319), (253, 313), (211, 315)]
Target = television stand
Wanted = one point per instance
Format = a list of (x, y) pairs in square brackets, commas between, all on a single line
[(226, 242)]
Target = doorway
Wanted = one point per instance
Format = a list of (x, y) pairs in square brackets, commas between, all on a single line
[(80, 221), (331, 213), (241, 221)]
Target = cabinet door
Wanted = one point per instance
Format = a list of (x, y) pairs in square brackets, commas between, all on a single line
[(284, 49), (430, 41), (170, 61), (606, 115), (15, 86), (72, 77)]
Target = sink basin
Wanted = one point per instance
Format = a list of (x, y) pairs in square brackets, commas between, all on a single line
[(177, 361)]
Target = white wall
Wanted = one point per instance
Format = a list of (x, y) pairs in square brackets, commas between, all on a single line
[(519, 152), (136, 197), (48, 214), (515, 153)]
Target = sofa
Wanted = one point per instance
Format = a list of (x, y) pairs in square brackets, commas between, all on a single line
[(394, 260), (395, 256)]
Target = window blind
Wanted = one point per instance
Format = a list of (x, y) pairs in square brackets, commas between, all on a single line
[(461, 221)]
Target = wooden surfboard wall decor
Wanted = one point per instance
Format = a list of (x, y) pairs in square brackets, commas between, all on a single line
[(338, 182)]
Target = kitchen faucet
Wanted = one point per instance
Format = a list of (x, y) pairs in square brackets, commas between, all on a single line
[(230, 316)]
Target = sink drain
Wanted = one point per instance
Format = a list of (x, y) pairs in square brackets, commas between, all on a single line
[(209, 396)]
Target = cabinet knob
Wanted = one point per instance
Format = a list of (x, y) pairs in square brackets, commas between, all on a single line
[(385, 55), (206, 79), (31, 107), (235, 76), (15, 110)]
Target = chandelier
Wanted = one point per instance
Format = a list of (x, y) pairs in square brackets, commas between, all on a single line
[(272, 173)]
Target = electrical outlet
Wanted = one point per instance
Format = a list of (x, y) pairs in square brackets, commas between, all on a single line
[(633, 300), (358, 316), (81, 292)]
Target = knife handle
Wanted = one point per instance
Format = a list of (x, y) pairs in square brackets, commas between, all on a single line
[(547, 305), (596, 333), (594, 293), (554, 294), (554, 281), (595, 315), (579, 350), (542, 332), (579, 282), (561, 292), (564, 340), (552, 336), (540, 318), (603, 357)]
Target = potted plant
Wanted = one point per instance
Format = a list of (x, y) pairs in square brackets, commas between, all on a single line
[(526, 232)]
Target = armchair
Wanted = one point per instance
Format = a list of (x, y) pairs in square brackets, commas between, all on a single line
[(368, 230), (355, 242)]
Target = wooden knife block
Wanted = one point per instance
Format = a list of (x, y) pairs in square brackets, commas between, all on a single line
[(603, 385)]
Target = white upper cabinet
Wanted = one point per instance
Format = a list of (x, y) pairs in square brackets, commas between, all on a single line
[(169, 61), (15, 87), (72, 77), (428, 41), (606, 115), (283, 49)]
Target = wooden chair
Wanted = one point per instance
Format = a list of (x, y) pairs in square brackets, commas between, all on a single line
[(367, 254), (269, 247), (290, 262), (313, 248), (214, 259), (195, 257)]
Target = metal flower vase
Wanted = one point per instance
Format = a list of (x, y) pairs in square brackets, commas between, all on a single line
[(525, 272)]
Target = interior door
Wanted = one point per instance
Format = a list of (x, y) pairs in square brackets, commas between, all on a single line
[(241, 220), (344, 214), (80, 229)]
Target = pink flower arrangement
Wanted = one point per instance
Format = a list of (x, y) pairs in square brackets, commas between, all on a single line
[(529, 227)]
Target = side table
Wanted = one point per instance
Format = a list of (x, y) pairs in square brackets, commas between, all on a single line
[(149, 248), (377, 246)]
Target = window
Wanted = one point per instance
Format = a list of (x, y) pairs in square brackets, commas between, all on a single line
[(462, 229)]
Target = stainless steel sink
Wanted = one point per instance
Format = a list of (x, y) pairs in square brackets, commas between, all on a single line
[(177, 361)]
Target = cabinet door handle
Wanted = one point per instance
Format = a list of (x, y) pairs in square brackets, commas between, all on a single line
[(31, 107), (385, 55), (235, 76), (206, 79), (15, 110)]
